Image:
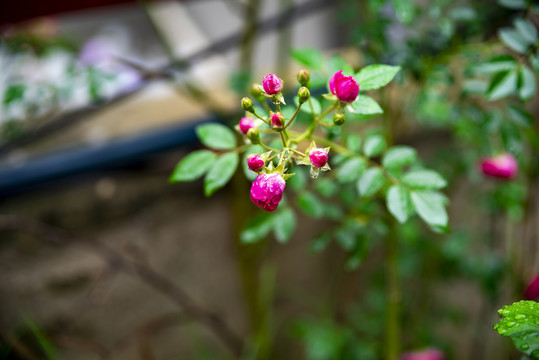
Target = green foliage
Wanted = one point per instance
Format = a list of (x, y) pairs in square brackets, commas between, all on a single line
[(221, 172), (365, 105), (282, 222), (520, 322), (351, 169), (375, 76), (398, 203), (374, 145), (370, 182), (308, 57), (193, 166), (399, 156), (216, 136), (424, 180), (430, 207)]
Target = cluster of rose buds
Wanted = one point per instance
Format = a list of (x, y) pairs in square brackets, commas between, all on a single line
[(267, 189)]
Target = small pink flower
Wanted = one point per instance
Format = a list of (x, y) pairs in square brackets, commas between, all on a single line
[(345, 87), (272, 84), (503, 166), (318, 157), (246, 123), (426, 354), (532, 290), (277, 120), (255, 162), (267, 191)]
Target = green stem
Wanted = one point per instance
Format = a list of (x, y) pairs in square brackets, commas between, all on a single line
[(293, 116), (392, 330)]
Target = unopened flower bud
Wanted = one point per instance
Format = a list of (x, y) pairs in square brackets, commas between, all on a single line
[(247, 104), (344, 87), (255, 162), (532, 290), (277, 120), (338, 119), (303, 94), (245, 124), (257, 92), (503, 166), (272, 84), (318, 157), (304, 77), (253, 135), (267, 191)]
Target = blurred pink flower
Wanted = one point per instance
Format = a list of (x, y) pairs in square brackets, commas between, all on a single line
[(503, 166), (246, 123), (426, 354), (532, 290)]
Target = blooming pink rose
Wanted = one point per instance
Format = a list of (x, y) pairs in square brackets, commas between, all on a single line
[(272, 84), (502, 166), (255, 162), (267, 191), (246, 123), (318, 157), (426, 354), (345, 87), (277, 120), (532, 290)]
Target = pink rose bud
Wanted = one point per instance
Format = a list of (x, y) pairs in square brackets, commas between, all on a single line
[(503, 166), (532, 290), (246, 123), (272, 84), (255, 162), (318, 157), (277, 120), (426, 354), (267, 191), (345, 87)]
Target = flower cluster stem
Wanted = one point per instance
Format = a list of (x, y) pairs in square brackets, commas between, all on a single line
[(392, 329)]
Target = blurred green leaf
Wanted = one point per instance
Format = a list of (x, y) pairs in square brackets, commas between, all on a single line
[(221, 172), (514, 40), (405, 10), (520, 322), (327, 187), (502, 84), (351, 169), (309, 57), (424, 180), (399, 156), (527, 83), (375, 76), (44, 342), (14, 92), (193, 166), (430, 207), (336, 63), (365, 105), (284, 224), (371, 181), (527, 30), (374, 145), (216, 136), (320, 242), (496, 64), (257, 228), (513, 4), (310, 204), (398, 203), (519, 116), (353, 142)]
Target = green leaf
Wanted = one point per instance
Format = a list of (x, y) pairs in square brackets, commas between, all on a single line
[(336, 63), (308, 57), (284, 224), (430, 207), (306, 107), (527, 30), (353, 142), (496, 64), (365, 105), (513, 4), (502, 84), (398, 203), (327, 187), (375, 76), (216, 136), (374, 145), (514, 40), (351, 169), (221, 172), (346, 238), (527, 84), (405, 10), (320, 242), (399, 156), (257, 228), (310, 204), (14, 92), (534, 60), (371, 181), (193, 166), (519, 116), (424, 180), (520, 322)]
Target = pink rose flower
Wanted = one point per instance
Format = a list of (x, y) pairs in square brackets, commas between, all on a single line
[(277, 120), (246, 123), (532, 290), (344, 87), (502, 166), (267, 191), (255, 162), (318, 157), (272, 84), (426, 354)]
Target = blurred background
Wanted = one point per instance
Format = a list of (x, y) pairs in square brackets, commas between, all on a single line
[(101, 258)]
